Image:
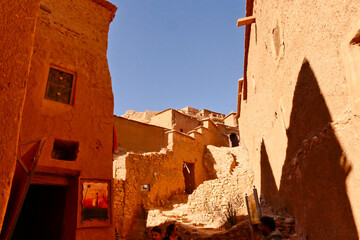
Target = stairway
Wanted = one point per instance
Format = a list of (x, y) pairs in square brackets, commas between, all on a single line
[(205, 207)]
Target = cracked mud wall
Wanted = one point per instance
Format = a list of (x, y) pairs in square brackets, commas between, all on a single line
[(72, 38), (298, 81), (159, 170), (17, 27), (163, 171)]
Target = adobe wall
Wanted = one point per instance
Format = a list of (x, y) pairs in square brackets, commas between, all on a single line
[(173, 119), (139, 137), (163, 171), (164, 175), (230, 120), (163, 119), (300, 122), (188, 150), (73, 36), (17, 27), (213, 134), (184, 123)]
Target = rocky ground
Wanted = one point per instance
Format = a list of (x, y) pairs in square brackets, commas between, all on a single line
[(207, 205)]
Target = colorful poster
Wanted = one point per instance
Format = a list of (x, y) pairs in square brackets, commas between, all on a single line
[(95, 200)]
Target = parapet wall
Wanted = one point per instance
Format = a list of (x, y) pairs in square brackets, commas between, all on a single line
[(139, 137)]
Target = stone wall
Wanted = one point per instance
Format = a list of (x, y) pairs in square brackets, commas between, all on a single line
[(230, 179), (119, 203), (299, 121), (17, 27), (162, 171)]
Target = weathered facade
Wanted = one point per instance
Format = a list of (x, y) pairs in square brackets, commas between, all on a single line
[(299, 114), (69, 102), (17, 27)]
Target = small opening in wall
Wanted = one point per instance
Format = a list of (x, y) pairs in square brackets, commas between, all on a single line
[(181, 130), (65, 150), (234, 140)]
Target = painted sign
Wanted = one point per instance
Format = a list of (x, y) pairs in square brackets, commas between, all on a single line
[(95, 200)]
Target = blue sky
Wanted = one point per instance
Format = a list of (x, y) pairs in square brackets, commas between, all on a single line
[(176, 53)]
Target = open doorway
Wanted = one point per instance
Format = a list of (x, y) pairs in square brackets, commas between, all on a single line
[(234, 140), (42, 215), (189, 175)]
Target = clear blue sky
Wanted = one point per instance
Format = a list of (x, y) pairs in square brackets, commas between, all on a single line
[(176, 53)]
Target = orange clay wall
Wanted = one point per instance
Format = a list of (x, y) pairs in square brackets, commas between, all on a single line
[(300, 122), (17, 27), (139, 137), (73, 37)]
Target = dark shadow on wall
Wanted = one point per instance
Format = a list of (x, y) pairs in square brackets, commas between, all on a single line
[(313, 181), (268, 184), (209, 164)]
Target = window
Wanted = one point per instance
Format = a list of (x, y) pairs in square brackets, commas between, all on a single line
[(59, 86), (65, 150)]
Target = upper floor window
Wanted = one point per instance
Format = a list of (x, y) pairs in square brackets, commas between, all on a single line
[(59, 86)]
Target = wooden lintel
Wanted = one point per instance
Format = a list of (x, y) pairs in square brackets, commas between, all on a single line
[(245, 21)]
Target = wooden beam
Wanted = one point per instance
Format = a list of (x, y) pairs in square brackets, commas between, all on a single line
[(49, 179), (245, 21), (240, 89)]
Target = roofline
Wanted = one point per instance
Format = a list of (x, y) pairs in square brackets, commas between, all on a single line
[(108, 5), (147, 124), (163, 111), (232, 113), (212, 111), (184, 114)]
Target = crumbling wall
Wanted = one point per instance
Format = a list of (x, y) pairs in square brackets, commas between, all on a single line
[(161, 171), (299, 122), (17, 27), (206, 206), (188, 150)]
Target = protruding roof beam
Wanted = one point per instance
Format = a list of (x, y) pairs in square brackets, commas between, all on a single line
[(245, 21)]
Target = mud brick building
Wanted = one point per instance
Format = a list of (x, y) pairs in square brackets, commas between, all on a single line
[(68, 102)]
